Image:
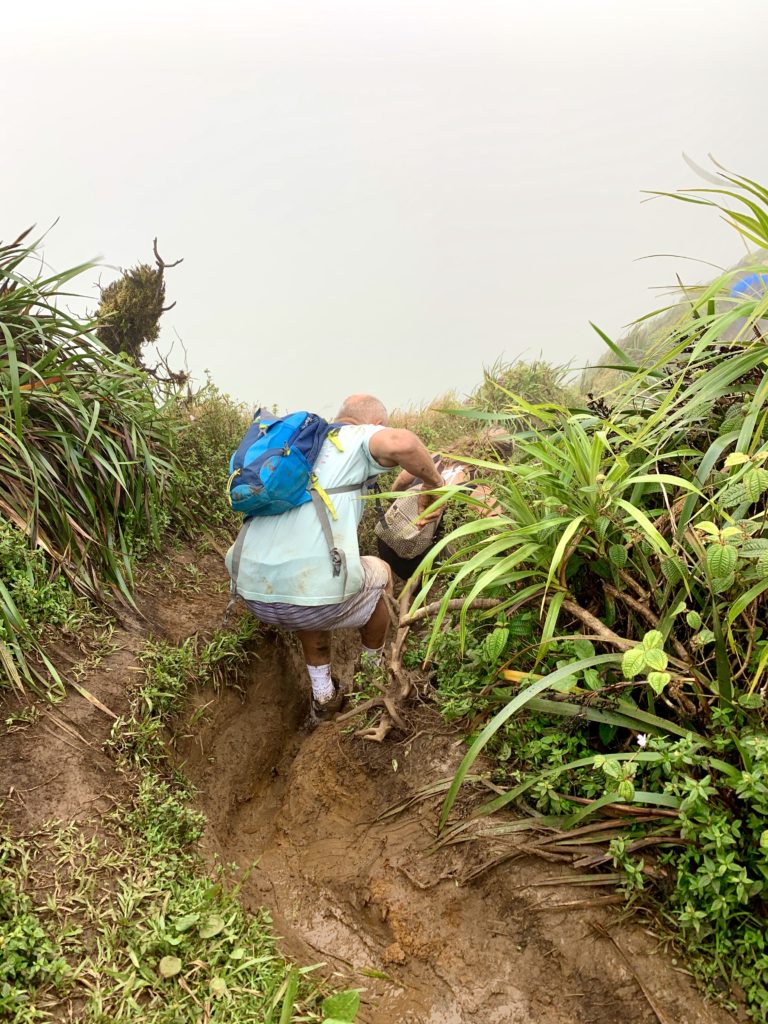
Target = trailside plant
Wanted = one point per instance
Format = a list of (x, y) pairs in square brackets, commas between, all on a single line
[(208, 427), (85, 453), (29, 958), (639, 529), (97, 464)]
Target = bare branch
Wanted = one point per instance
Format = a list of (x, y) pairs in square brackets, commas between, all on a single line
[(606, 635), (161, 262)]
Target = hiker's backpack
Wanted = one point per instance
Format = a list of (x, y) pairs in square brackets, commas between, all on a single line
[(272, 472)]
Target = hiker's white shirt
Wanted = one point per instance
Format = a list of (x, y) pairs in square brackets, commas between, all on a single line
[(285, 558)]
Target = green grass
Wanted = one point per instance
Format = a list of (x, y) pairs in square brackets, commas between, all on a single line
[(122, 915), (134, 925)]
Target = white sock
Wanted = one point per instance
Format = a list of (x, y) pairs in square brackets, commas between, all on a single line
[(322, 684), (372, 655)]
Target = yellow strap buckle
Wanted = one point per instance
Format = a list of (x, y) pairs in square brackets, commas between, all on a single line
[(333, 437), (325, 498)]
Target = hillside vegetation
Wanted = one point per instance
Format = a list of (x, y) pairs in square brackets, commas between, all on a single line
[(620, 679), (617, 682)]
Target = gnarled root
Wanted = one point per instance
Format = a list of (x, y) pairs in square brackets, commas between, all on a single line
[(377, 733), (401, 685)]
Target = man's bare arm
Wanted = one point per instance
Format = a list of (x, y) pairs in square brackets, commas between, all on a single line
[(403, 481), (394, 447)]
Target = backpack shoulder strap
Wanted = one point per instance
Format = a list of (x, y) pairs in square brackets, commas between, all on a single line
[(326, 511)]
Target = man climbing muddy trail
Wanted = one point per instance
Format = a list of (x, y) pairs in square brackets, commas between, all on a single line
[(299, 482), (444, 702)]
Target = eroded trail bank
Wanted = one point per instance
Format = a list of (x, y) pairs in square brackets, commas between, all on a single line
[(354, 886)]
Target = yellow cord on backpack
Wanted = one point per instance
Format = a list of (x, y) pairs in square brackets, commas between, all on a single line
[(229, 484), (333, 437), (325, 498)]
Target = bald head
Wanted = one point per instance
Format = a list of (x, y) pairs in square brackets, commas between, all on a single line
[(363, 409)]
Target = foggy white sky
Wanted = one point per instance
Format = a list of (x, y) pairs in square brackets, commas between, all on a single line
[(380, 195)]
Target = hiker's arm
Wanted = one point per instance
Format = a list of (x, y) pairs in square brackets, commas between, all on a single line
[(391, 447), (403, 481)]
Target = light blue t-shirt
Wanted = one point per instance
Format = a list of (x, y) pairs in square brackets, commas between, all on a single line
[(285, 558)]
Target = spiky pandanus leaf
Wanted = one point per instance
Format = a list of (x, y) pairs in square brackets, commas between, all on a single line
[(85, 450)]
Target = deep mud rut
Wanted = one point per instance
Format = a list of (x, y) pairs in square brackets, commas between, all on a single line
[(363, 895)]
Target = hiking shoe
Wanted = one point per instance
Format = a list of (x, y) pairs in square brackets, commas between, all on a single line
[(322, 711)]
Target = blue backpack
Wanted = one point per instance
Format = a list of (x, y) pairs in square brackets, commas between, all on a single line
[(272, 472)]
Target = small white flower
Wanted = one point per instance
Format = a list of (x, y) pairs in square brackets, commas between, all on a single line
[(642, 739)]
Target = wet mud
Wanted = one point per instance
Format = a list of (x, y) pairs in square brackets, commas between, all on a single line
[(307, 817)]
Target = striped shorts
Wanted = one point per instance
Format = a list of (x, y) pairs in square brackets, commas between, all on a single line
[(350, 614)]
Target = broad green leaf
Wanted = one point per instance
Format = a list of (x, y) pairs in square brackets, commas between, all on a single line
[(342, 1006), (219, 989), (708, 528), (633, 662), (653, 640), (721, 560), (658, 680), (169, 966), (583, 648), (212, 926), (755, 481), (656, 659), (626, 790), (618, 555), (736, 459), (723, 583), (672, 569), (183, 924), (751, 701), (705, 636)]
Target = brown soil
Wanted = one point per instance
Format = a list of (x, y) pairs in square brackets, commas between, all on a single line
[(362, 894), (346, 887)]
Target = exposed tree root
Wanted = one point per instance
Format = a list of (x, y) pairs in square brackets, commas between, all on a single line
[(378, 733), (596, 626), (483, 603), (645, 612), (401, 685)]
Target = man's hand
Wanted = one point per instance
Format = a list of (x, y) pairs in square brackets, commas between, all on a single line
[(425, 500)]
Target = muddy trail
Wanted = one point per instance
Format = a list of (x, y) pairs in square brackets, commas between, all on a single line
[(429, 937), (355, 886)]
